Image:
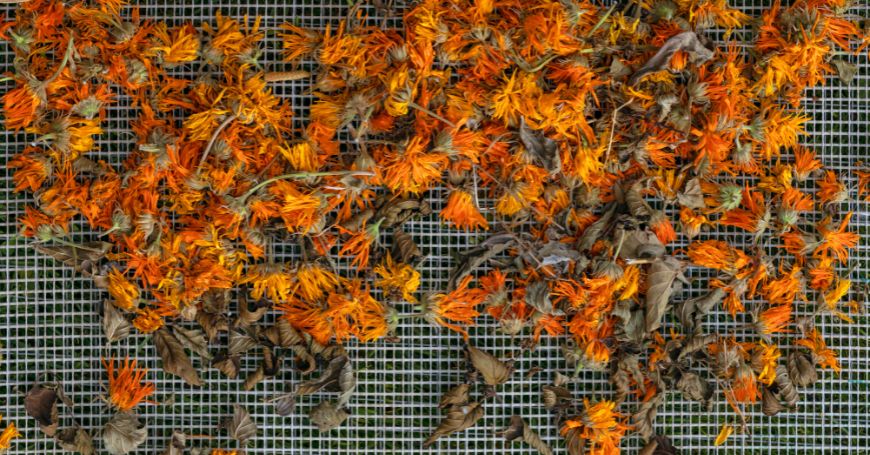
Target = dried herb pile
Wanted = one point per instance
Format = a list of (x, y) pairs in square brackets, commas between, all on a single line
[(583, 142)]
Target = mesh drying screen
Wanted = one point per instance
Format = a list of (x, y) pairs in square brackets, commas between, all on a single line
[(50, 322)]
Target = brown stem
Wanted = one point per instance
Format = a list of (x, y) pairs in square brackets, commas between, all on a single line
[(213, 139)]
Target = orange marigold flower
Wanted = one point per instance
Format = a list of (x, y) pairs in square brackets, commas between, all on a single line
[(774, 319), (783, 290), (412, 169), (793, 202), (837, 241), (461, 211), (126, 389), (300, 211), (456, 308), (691, 222), (269, 280), (805, 163), (19, 107), (745, 385), (360, 243), (125, 293), (223, 452), (822, 274), (719, 255), (600, 425), (399, 278), (179, 46), (823, 356), (313, 281), (831, 190), (764, 358), (664, 230), (31, 170), (833, 297), (148, 320), (9, 433)]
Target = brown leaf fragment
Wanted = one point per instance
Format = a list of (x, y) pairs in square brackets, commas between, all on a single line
[(305, 356), (193, 339), (327, 416), (694, 388), (240, 343), (538, 297), (82, 259), (41, 404), (457, 396), (801, 369), (845, 70), (519, 430), (787, 391), (659, 445), (329, 380), (638, 244), (122, 434), (574, 443), (404, 248), (595, 230), (75, 440), (471, 259), (691, 195), (645, 416), (661, 282), (552, 396), (283, 334), (458, 418), (177, 444), (494, 372), (346, 383), (543, 149), (227, 364), (285, 404), (115, 326), (686, 41), (175, 360), (770, 404), (248, 315), (254, 378), (240, 426), (212, 324)]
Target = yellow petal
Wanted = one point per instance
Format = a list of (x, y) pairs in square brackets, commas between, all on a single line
[(723, 434)]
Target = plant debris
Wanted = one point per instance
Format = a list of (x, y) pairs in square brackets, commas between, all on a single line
[(601, 153)]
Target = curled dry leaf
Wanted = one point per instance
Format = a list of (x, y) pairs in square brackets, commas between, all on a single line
[(686, 41), (787, 390), (492, 369), (519, 430), (41, 404), (543, 149), (75, 440), (240, 426), (248, 315), (457, 396), (575, 444), (123, 434), (227, 364), (770, 404), (283, 334), (661, 281), (801, 369), (659, 445), (404, 248), (83, 259), (469, 260), (327, 416), (175, 360), (115, 326), (552, 395), (193, 339), (240, 343), (458, 418), (694, 388), (177, 444), (329, 380)]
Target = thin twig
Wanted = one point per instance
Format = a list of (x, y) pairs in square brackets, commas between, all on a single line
[(213, 139), (430, 113), (613, 129)]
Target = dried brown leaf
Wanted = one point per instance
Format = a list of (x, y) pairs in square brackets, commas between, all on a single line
[(787, 390), (327, 416), (574, 443), (41, 404), (457, 396), (770, 404), (543, 149), (801, 369), (175, 360), (458, 418), (404, 248), (694, 388), (492, 369), (637, 244), (115, 326), (595, 230), (212, 324), (193, 339), (331, 378), (538, 297), (691, 195), (660, 281), (659, 445), (241, 426), (846, 71), (552, 396), (686, 41), (283, 334), (240, 343), (75, 440), (248, 315), (177, 444), (519, 430), (82, 260), (122, 434), (227, 364)]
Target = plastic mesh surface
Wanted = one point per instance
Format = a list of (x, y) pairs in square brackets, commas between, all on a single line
[(50, 322)]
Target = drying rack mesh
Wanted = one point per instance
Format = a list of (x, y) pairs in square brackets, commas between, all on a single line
[(50, 321)]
